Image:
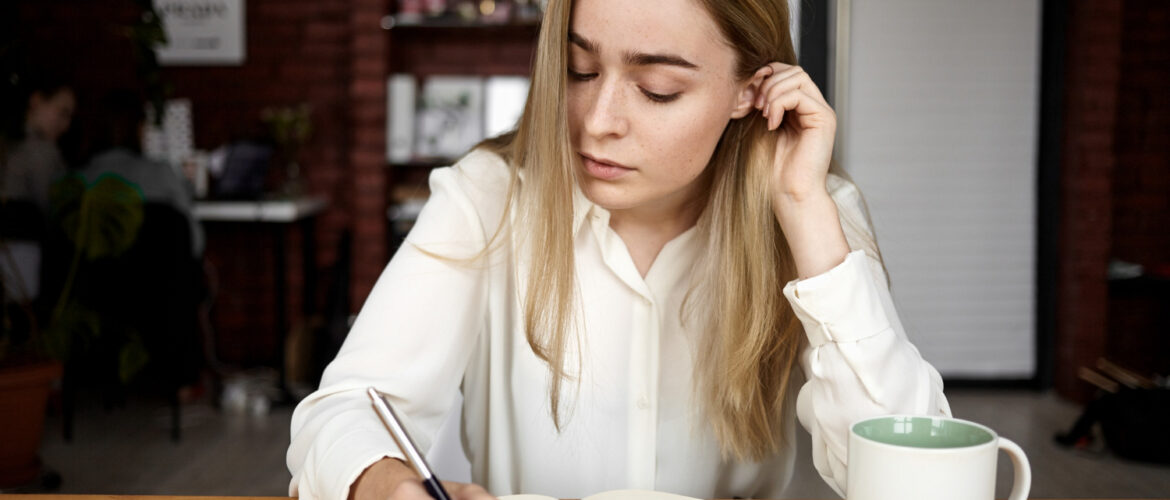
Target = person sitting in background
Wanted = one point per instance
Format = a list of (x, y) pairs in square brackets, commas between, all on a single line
[(119, 146), (34, 161)]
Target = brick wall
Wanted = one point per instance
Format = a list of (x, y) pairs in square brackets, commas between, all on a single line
[(1139, 316), (1115, 186), (1141, 204), (329, 53), (1091, 83), (367, 184)]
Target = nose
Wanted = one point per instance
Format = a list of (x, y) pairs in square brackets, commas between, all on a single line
[(606, 113)]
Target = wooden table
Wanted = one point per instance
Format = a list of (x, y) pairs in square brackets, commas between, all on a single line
[(137, 497)]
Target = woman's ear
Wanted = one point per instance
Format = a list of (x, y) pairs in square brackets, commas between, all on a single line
[(748, 91)]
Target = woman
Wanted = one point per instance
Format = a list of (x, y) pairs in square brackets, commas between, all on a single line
[(34, 162), (644, 287)]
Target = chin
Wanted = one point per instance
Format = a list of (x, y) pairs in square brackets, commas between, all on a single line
[(608, 196)]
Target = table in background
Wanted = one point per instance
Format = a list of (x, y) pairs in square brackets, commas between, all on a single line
[(279, 215)]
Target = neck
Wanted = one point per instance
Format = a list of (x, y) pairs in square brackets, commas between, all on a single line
[(664, 221), (645, 230)]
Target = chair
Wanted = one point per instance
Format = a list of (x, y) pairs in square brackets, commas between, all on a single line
[(150, 292)]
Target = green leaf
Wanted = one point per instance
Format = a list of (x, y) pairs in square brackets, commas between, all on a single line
[(132, 358), (73, 331), (114, 216), (101, 219), (65, 196)]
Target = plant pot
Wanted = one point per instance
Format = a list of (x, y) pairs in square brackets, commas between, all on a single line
[(24, 392)]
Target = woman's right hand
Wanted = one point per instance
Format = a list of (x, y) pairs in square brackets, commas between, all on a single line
[(391, 478)]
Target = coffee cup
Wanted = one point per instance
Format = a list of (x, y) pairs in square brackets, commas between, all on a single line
[(907, 457)]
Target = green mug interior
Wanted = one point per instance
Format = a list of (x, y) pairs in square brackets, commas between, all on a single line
[(922, 432)]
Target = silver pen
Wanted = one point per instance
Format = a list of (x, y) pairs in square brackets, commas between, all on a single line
[(398, 432)]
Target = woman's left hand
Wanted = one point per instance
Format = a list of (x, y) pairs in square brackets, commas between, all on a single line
[(794, 106)]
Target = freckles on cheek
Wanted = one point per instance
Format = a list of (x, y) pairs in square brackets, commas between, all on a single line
[(687, 147)]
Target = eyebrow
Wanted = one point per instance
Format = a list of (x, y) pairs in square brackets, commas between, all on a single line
[(635, 58)]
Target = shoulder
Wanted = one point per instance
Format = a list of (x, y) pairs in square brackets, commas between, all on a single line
[(480, 177), (150, 175), (481, 171), (34, 155), (477, 183)]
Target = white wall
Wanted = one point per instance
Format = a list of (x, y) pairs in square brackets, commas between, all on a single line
[(939, 129)]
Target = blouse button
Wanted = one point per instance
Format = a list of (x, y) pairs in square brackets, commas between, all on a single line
[(643, 403)]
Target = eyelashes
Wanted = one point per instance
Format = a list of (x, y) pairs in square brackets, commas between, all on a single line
[(653, 97), (659, 98), (581, 77)]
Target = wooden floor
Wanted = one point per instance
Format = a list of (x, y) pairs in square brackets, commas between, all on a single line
[(128, 451)]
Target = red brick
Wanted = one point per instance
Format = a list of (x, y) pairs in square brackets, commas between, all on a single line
[(317, 32), (367, 89), (368, 44)]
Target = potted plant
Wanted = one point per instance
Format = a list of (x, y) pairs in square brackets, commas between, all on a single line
[(27, 373), (290, 127), (98, 220), (26, 378)]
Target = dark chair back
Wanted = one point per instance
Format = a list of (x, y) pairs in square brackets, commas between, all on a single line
[(21, 221), (151, 290)]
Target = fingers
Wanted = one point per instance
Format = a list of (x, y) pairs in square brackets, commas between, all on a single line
[(784, 78), (414, 490), (777, 73), (461, 491), (790, 88), (410, 490), (812, 113)]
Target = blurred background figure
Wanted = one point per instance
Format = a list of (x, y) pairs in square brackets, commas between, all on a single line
[(37, 112), (33, 159), (118, 149)]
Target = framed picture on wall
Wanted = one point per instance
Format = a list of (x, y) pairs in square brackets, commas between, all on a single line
[(202, 33)]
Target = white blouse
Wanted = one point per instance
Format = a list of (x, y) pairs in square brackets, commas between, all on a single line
[(432, 327)]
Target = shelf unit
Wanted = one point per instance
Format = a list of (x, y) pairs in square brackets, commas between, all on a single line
[(448, 46)]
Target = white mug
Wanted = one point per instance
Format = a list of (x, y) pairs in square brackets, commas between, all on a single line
[(906, 457)]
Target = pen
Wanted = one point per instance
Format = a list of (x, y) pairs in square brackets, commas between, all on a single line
[(398, 432)]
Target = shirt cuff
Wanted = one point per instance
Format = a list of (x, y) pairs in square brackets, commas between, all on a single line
[(841, 305), (348, 455)]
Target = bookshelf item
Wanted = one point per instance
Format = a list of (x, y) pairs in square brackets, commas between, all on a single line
[(505, 102), (449, 118), (401, 90)]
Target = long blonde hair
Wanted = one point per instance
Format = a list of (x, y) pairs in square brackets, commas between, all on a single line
[(752, 336)]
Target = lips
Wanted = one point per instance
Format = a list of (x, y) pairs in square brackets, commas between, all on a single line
[(603, 169)]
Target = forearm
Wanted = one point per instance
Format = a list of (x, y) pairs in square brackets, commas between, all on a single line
[(813, 231), (858, 362)]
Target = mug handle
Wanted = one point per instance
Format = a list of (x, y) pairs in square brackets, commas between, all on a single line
[(1023, 470)]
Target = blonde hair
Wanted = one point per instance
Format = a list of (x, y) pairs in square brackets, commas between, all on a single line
[(752, 337)]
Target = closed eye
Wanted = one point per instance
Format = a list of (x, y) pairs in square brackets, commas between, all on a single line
[(581, 76), (660, 98), (653, 97)]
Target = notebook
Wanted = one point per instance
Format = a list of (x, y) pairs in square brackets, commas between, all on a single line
[(611, 495)]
